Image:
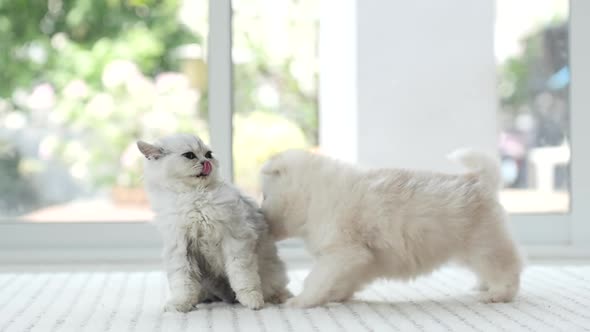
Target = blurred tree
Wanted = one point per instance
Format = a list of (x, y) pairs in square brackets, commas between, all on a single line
[(534, 94), (59, 40), (276, 60), (88, 77), (525, 75)]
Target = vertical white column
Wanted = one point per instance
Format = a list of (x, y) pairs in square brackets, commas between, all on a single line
[(416, 78), (338, 85), (219, 61), (579, 122)]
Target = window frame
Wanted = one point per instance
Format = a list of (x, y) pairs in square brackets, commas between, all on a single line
[(568, 234), (542, 235)]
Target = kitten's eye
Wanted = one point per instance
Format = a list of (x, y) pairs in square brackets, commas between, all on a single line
[(189, 155), (209, 155)]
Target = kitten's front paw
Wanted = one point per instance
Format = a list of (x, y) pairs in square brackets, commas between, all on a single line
[(175, 306), (252, 299)]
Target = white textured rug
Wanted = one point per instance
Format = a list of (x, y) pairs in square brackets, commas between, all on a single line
[(553, 298)]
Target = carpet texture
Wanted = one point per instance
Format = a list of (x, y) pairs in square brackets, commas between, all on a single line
[(553, 298)]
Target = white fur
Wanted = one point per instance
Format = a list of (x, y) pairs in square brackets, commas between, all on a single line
[(208, 216), (392, 223)]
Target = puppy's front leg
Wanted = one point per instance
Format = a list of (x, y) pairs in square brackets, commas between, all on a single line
[(242, 271), (184, 290), (334, 278)]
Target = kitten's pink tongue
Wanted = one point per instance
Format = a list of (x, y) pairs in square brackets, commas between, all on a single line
[(206, 168)]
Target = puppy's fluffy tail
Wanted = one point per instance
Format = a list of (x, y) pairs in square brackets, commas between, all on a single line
[(485, 165)]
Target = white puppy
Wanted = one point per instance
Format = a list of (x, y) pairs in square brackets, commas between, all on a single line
[(392, 223)]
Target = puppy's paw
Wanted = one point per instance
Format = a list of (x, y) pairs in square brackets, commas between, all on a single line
[(178, 306), (251, 299), (496, 297), (300, 302), (280, 296)]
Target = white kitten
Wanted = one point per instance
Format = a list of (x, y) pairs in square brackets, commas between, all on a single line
[(213, 234), (393, 223)]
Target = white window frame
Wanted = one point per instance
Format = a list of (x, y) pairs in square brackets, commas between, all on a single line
[(543, 235), (568, 235)]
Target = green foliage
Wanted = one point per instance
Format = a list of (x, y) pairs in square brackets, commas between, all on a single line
[(276, 67), (59, 40), (516, 86), (104, 125), (294, 104), (513, 84)]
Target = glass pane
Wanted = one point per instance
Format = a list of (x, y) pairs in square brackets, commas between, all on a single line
[(82, 80), (275, 80), (533, 87)]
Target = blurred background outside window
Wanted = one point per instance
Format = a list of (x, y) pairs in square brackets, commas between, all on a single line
[(532, 53), (82, 80)]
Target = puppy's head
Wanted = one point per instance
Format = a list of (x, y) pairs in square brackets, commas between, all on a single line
[(284, 201)]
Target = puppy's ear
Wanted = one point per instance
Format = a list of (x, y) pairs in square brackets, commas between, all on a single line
[(271, 167), (150, 151)]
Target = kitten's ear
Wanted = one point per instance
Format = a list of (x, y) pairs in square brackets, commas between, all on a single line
[(150, 151)]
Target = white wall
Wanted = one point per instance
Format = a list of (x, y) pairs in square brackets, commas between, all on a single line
[(423, 79)]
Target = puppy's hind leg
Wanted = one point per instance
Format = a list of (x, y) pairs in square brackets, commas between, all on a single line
[(334, 278), (497, 262)]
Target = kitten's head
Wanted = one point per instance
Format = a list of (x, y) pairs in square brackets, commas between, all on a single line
[(179, 162)]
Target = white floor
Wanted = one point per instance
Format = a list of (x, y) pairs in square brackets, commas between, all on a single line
[(553, 298)]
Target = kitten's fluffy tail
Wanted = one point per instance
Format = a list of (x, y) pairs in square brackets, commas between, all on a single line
[(485, 165)]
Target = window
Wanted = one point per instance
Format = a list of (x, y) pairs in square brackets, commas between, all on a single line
[(73, 100), (543, 69), (82, 81), (275, 82), (532, 52)]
